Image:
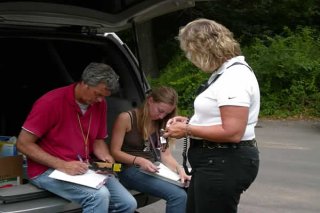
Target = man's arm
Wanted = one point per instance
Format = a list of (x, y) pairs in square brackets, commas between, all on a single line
[(101, 151), (26, 144)]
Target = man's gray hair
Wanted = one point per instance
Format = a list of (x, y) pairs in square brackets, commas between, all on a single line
[(96, 73)]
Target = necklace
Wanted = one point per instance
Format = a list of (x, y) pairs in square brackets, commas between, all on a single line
[(85, 137)]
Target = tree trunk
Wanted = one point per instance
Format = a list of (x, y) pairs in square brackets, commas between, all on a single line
[(148, 58)]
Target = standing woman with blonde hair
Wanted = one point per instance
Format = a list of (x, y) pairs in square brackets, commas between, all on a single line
[(137, 144), (223, 152)]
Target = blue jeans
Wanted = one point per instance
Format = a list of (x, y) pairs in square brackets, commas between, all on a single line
[(175, 196), (112, 197)]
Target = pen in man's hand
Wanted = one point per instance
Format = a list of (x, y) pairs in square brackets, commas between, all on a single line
[(80, 158)]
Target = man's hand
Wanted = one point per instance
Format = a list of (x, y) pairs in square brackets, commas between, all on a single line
[(74, 168), (107, 158)]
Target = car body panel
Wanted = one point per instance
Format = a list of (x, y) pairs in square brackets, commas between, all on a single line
[(76, 13)]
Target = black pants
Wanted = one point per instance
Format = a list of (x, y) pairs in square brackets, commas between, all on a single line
[(220, 176)]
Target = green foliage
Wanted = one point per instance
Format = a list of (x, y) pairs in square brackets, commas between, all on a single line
[(246, 19), (287, 68), (185, 78), (288, 71)]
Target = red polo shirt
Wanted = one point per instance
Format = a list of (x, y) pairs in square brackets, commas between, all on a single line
[(54, 119)]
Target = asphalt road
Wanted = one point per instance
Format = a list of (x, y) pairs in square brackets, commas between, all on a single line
[(289, 175)]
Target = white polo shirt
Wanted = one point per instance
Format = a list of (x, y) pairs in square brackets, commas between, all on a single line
[(237, 86)]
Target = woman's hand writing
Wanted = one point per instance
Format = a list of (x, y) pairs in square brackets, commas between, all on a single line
[(146, 164)]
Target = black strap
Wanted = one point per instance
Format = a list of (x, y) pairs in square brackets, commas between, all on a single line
[(205, 84), (201, 89), (153, 149), (129, 112), (239, 63)]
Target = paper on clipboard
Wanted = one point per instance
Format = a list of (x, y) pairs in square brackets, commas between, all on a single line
[(90, 178), (166, 174)]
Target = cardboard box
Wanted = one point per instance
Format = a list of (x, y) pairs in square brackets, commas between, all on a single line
[(11, 172)]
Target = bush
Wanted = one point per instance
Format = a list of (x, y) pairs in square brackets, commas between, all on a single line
[(288, 71), (287, 67), (185, 78)]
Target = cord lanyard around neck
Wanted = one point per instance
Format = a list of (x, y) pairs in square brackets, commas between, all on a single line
[(85, 137)]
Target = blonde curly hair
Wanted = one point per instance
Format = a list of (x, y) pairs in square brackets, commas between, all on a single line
[(208, 44)]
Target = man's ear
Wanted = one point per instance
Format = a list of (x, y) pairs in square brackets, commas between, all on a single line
[(84, 85)]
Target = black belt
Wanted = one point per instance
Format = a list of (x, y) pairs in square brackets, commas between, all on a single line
[(213, 145)]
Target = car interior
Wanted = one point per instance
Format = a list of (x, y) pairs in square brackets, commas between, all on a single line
[(32, 66)]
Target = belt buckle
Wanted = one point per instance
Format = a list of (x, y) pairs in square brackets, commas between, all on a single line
[(223, 146), (210, 147), (219, 146), (234, 146), (207, 145)]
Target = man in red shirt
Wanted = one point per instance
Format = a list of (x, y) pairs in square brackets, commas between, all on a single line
[(69, 123)]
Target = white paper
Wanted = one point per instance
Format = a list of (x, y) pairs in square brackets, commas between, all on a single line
[(90, 178), (166, 174)]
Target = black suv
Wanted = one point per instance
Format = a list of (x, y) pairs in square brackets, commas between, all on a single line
[(47, 44)]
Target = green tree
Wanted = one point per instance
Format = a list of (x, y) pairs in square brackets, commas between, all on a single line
[(288, 70), (287, 67)]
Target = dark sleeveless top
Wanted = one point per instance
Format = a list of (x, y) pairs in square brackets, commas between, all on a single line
[(133, 142)]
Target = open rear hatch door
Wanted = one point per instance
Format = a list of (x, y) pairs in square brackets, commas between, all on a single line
[(102, 15)]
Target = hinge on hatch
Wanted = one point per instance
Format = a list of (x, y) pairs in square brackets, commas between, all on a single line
[(89, 30)]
